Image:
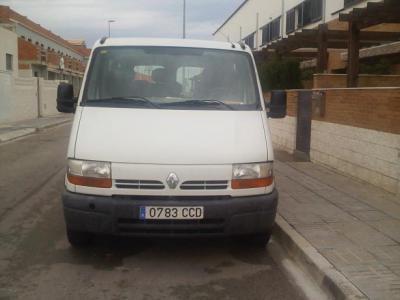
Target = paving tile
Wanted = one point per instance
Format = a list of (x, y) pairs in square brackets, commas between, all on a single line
[(386, 253), (388, 227), (346, 256), (374, 279), (370, 215), (355, 225), (394, 267), (322, 237), (362, 234)]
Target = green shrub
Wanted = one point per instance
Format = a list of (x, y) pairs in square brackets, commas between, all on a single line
[(280, 74), (381, 67)]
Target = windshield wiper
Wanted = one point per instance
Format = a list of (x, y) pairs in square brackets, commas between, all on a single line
[(136, 99), (204, 102)]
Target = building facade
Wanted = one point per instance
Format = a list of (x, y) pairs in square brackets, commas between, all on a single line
[(8, 52), (260, 22), (41, 53)]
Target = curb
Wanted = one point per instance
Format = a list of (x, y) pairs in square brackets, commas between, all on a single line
[(18, 133), (14, 134), (45, 126), (327, 277)]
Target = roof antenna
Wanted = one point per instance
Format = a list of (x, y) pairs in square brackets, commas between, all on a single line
[(242, 45), (233, 45), (103, 39)]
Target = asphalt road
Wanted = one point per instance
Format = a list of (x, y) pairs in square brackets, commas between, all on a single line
[(36, 261)]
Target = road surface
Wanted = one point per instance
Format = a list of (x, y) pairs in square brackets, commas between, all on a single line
[(36, 261)]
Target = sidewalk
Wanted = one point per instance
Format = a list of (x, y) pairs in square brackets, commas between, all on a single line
[(11, 131), (353, 225)]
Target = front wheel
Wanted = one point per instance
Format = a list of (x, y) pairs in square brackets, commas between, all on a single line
[(255, 240), (79, 239)]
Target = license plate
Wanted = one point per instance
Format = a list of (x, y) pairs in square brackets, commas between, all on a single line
[(171, 213)]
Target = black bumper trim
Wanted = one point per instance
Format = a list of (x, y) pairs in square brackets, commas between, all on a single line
[(119, 215)]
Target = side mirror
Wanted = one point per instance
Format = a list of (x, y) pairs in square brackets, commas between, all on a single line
[(65, 98), (277, 105)]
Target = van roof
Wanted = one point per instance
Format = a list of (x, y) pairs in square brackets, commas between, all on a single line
[(169, 43)]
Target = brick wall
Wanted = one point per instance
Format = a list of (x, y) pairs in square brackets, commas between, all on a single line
[(358, 134), (27, 51), (292, 96), (376, 109), (340, 81)]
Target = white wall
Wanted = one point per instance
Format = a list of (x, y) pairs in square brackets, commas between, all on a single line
[(370, 155), (245, 20), (8, 45), (47, 97), (283, 133), (24, 98), (6, 83)]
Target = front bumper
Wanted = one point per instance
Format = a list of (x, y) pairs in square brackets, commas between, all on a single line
[(119, 215)]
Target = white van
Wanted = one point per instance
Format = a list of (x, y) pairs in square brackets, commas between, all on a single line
[(170, 138)]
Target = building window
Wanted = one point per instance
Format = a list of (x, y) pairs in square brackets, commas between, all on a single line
[(9, 62), (348, 3), (307, 12), (249, 40), (291, 21), (271, 31)]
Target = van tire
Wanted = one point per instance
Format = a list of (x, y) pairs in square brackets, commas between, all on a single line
[(79, 239), (255, 240)]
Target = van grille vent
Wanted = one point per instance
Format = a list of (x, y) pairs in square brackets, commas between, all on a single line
[(139, 184), (205, 185)]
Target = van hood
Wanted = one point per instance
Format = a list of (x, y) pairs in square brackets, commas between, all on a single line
[(152, 136)]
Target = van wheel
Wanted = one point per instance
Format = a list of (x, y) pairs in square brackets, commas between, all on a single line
[(255, 240), (79, 239)]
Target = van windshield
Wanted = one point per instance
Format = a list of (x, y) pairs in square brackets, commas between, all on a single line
[(171, 78)]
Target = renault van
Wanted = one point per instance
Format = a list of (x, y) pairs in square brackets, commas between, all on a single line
[(170, 138)]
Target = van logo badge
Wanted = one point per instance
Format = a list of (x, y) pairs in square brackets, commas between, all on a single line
[(172, 180)]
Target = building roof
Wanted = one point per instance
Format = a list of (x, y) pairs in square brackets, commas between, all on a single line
[(231, 16), (80, 45), (77, 42), (7, 15)]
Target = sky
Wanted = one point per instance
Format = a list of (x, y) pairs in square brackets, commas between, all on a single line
[(87, 19)]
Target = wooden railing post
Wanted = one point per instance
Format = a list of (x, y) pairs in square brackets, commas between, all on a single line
[(353, 66)]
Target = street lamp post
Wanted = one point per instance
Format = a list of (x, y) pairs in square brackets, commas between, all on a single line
[(184, 19), (109, 27)]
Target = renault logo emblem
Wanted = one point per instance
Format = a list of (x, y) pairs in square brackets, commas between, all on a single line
[(172, 180)]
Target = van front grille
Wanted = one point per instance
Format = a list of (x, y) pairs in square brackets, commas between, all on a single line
[(205, 185), (139, 184)]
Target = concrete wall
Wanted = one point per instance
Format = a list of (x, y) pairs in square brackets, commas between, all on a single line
[(8, 45), (244, 21), (366, 154), (359, 133), (283, 133), (340, 81), (5, 96), (47, 97), (23, 98), (18, 98)]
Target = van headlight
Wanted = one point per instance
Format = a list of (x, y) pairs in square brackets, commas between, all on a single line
[(255, 175), (89, 173)]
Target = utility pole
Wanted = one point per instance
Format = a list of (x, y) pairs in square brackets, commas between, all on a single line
[(109, 27), (184, 19)]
